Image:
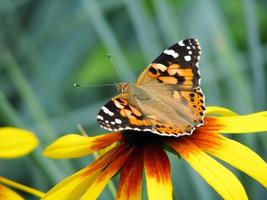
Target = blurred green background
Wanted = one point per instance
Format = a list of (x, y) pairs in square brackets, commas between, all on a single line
[(48, 45)]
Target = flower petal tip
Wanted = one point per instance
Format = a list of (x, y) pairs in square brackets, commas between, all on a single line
[(16, 142)]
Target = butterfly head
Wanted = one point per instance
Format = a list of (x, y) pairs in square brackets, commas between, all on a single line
[(122, 87)]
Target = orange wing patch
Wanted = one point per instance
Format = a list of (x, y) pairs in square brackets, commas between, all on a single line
[(168, 80), (173, 74), (195, 100), (130, 112), (156, 69), (135, 111)]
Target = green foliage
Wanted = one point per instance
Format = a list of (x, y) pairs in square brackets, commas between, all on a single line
[(48, 45)]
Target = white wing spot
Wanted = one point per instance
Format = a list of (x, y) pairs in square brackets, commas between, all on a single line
[(187, 58), (189, 52), (181, 43), (171, 53), (107, 111), (188, 47), (106, 121), (118, 121), (99, 117), (113, 123)]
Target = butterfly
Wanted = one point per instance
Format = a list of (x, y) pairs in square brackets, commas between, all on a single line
[(166, 99)]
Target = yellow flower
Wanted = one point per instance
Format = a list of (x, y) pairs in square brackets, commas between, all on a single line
[(135, 152), (14, 143)]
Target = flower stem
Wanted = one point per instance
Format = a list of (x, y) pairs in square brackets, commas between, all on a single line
[(22, 187)]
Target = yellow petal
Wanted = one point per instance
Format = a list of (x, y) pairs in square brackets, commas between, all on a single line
[(107, 149), (71, 187), (259, 114), (157, 168), (15, 142), (236, 124), (101, 181), (215, 110), (217, 176), (73, 145), (21, 187), (8, 194), (235, 154), (75, 185)]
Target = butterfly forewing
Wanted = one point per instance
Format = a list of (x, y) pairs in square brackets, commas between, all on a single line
[(177, 65), (119, 115)]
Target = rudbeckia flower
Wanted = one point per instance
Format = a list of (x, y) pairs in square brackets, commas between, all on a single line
[(15, 143), (136, 153)]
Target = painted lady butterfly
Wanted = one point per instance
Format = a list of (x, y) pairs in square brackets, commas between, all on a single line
[(166, 98)]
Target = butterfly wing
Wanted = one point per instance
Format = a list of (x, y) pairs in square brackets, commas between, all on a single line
[(173, 80), (118, 114), (174, 112), (177, 65)]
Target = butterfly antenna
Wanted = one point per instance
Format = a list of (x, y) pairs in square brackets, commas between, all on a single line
[(103, 85), (86, 85), (114, 66)]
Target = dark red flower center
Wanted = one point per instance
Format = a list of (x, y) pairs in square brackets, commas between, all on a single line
[(141, 138)]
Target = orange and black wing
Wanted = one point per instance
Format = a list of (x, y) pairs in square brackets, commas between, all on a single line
[(176, 65), (173, 80), (118, 114)]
